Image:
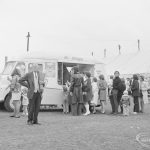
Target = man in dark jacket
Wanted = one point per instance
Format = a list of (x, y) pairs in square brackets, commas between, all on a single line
[(115, 91), (34, 81)]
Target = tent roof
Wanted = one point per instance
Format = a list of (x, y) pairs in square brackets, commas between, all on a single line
[(138, 62)]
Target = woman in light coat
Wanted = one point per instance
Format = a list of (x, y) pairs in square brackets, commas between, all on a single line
[(102, 85), (143, 99)]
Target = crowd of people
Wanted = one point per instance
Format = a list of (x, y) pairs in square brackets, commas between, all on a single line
[(84, 95), (81, 95)]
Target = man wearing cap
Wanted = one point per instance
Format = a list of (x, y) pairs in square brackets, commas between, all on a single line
[(34, 82)]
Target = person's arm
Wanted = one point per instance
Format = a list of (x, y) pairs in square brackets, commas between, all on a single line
[(24, 81), (88, 86), (145, 87), (72, 85), (129, 102), (8, 87), (134, 86)]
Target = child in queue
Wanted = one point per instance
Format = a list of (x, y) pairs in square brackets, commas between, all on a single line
[(65, 100), (125, 102)]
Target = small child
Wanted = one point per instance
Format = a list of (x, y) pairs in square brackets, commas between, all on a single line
[(25, 101), (94, 101), (125, 102), (65, 100)]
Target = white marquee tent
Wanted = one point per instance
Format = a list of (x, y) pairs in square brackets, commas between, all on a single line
[(138, 62)]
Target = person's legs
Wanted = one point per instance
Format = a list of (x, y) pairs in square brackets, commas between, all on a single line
[(125, 110), (64, 107), (115, 98), (67, 106), (142, 104), (103, 107), (31, 108), (79, 109), (136, 104), (17, 107), (112, 103), (37, 107), (25, 110), (14, 113), (74, 109), (87, 108), (140, 99), (128, 110)]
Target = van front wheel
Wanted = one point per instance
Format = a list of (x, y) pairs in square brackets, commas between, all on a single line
[(8, 103)]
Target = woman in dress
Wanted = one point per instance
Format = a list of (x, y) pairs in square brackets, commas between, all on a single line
[(102, 85), (143, 99), (87, 92), (94, 101)]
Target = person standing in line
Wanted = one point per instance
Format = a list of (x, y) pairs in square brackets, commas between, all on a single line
[(102, 85), (143, 98), (87, 92), (116, 83), (94, 100), (135, 93), (122, 88), (65, 100), (76, 92), (34, 81), (110, 84)]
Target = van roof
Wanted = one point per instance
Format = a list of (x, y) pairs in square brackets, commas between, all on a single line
[(65, 59)]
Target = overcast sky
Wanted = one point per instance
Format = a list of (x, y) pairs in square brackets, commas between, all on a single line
[(74, 27)]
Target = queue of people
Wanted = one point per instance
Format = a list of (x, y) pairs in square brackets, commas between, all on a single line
[(86, 94)]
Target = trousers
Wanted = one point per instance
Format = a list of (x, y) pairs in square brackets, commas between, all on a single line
[(34, 107)]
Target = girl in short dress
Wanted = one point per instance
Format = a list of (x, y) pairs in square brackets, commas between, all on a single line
[(87, 92), (15, 89)]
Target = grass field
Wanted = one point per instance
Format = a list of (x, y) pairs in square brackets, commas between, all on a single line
[(66, 132)]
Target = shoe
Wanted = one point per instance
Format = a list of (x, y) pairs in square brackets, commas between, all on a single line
[(135, 113), (112, 113), (103, 112), (87, 113), (17, 116), (29, 123), (36, 123), (12, 116), (115, 113)]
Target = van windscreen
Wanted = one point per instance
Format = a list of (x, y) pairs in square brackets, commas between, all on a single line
[(9, 68)]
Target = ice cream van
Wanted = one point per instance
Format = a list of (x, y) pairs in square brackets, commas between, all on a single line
[(57, 73)]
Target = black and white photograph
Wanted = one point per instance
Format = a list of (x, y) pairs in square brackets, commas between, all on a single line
[(74, 74)]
